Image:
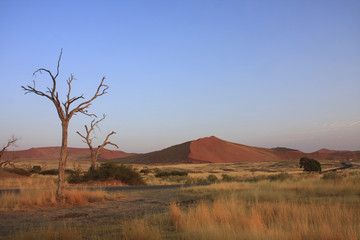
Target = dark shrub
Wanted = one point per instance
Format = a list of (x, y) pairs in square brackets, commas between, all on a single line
[(212, 178), (227, 178), (178, 173), (36, 169), (310, 165), (280, 177), (75, 177), (50, 172), (259, 178), (162, 174), (172, 173), (145, 171), (108, 171)]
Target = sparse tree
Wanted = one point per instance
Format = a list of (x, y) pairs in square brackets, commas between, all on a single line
[(11, 142), (310, 165), (94, 152), (65, 110)]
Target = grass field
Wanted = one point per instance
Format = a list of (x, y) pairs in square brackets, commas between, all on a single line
[(303, 206)]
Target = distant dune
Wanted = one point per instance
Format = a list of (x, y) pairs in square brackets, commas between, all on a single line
[(203, 150), (52, 153), (215, 150)]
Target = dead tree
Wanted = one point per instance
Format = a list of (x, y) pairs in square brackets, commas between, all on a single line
[(12, 141), (65, 111), (94, 152)]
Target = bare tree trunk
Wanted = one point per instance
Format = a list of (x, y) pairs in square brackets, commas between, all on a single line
[(94, 152), (93, 159), (65, 113), (62, 163)]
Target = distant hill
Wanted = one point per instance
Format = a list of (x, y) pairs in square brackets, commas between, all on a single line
[(52, 153), (203, 150), (215, 150)]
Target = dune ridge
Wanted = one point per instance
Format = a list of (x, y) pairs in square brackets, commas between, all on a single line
[(203, 150)]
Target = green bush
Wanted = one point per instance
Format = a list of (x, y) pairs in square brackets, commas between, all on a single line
[(310, 165), (280, 177), (35, 169), (212, 178), (145, 171), (227, 178), (172, 173), (259, 178), (49, 172), (75, 177), (162, 174), (332, 176), (108, 171)]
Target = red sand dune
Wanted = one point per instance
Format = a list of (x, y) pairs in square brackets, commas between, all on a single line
[(52, 153), (215, 150), (203, 150)]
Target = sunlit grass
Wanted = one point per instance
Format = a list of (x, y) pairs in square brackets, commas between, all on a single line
[(41, 191), (300, 208), (303, 207)]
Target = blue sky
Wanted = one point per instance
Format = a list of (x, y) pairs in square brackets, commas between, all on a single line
[(260, 73)]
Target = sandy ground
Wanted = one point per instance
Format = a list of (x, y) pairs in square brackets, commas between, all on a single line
[(136, 203)]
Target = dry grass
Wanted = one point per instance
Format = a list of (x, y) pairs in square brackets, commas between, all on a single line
[(240, 171), (233, 218), (141, 229), (302, 208), (41, 191), (47, 197), (305, 207), (38, 182), (49, 232)]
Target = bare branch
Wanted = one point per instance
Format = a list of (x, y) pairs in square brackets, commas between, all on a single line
[(58, 65), (29, 89), (106, 142), (65, 113), (95, 151), (101, 90), (12, 141)]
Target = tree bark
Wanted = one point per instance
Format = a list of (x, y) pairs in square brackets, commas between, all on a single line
[(65, 113), (94, 156), (62, 162)]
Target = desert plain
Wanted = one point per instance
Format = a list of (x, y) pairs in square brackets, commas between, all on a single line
[(213, 189)]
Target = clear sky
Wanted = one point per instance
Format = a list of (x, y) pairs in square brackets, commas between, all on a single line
[(257, 72)]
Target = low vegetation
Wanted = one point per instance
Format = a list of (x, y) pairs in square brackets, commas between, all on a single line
[(310, 165), (172, 173), (292, 208), (308, 206), (41, 191), (108, 171)]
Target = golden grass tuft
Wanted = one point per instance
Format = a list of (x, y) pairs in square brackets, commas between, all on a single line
[(303, 208), (47, 197), (41, 191), (175, 215), (141, 229), (234, 218)]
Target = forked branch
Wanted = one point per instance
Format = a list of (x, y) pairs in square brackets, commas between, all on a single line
[(12, 141), (88, 140), (64, 109)]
